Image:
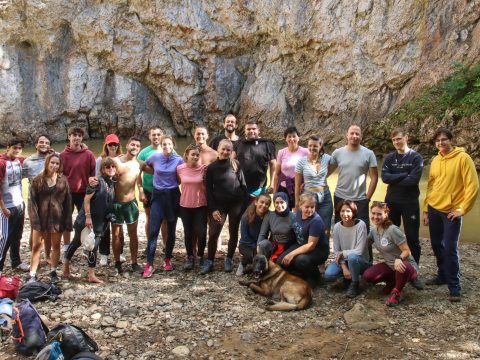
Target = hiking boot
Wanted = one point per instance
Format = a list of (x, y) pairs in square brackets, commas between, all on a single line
[(455, 296), (167, 265), (435, 281), (118, 268), (417, 284), (189, 263), (200, 261), (353, 290), (22, 267), (228, 265), (395, 298), (137, 268), (54, 277), (103, 260), (31, 279), (239, 270), (122, 258), (148, 272), (207, 267)]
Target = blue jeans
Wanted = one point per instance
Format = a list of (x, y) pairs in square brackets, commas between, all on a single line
[(165, 205), (355, 263), (325, 209), (444, 236)]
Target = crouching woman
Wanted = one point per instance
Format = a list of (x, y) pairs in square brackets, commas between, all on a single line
[(350, 247), (250, 229), (95, 214), (399, 266), (311, 248)]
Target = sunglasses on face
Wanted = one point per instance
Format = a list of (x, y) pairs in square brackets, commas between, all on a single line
[(113, 144)]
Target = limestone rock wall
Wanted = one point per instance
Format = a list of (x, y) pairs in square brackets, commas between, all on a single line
[(123, 65)]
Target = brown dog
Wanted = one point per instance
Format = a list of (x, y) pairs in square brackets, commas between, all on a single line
[(272, 281)]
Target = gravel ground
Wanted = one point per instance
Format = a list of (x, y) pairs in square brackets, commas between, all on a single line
[(183, 314)]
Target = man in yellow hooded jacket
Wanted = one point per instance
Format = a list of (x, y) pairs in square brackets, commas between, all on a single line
[(451, 193)]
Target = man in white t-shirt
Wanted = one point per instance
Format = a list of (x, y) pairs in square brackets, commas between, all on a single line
[(354, 162)]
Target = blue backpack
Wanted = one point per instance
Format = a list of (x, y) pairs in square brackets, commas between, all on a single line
[(29, 333), (51, 352)]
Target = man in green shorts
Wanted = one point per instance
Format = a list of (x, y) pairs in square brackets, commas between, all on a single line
[(125, 207)]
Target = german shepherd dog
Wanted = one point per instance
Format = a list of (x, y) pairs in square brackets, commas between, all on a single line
[(271, 280)]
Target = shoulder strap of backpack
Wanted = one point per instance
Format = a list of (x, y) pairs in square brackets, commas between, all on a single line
[(19, 323)]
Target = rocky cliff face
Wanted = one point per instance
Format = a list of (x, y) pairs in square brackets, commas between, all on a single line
[(125, 65)]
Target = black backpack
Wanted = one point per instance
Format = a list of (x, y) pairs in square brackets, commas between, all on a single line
[(28, 330), (86, 355), (37, 291), (72, 339)]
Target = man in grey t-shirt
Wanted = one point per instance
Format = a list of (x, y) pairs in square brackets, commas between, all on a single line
[(354, 162)]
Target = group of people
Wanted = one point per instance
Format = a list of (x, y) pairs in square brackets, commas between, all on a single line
[(236, 177)]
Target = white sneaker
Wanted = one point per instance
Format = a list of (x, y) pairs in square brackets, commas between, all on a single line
[(122, 258), (23, 266), (103, 260), (239, 270)]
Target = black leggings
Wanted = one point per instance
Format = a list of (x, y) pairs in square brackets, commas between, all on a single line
[(104, 247), (305, 265), (75, 244), (247, 254), (234, 213), (194, 223)]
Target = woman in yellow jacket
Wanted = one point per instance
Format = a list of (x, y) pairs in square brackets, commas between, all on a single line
[(451, 193)]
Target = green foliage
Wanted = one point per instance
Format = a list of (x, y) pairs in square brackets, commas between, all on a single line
[(459, 94)]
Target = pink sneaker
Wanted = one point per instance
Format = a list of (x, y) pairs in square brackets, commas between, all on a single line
[(167, 265), (148, 272), (395, 298)]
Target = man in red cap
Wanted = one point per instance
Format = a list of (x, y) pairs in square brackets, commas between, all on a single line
[(78, 165)]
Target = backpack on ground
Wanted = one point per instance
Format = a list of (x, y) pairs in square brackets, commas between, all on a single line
[(9, 286), (37, 291), (28, 330), (72, 340), (51, 352)]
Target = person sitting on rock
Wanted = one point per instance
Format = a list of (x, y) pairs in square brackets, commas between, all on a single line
[(250, 229), (311, 248), (350, 247), (276, 233), (399, 266), (96, 214)]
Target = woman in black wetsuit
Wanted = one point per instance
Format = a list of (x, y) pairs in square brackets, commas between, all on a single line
[(95, 214), (226, 195)]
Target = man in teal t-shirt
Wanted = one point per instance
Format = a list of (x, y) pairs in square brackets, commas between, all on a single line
[(145, 185)]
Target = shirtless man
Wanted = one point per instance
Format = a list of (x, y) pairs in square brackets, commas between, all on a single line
[(125, 207), (207, 154)]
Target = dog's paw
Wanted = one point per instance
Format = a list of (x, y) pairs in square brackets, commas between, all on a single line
[(270, 302)]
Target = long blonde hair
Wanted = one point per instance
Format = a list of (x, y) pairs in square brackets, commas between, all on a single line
[(233, 162)]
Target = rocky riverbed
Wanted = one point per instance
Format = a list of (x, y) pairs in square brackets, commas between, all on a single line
[(183, 314)]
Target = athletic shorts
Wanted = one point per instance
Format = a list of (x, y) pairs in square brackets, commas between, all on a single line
[(125, 212), (148, 195)]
